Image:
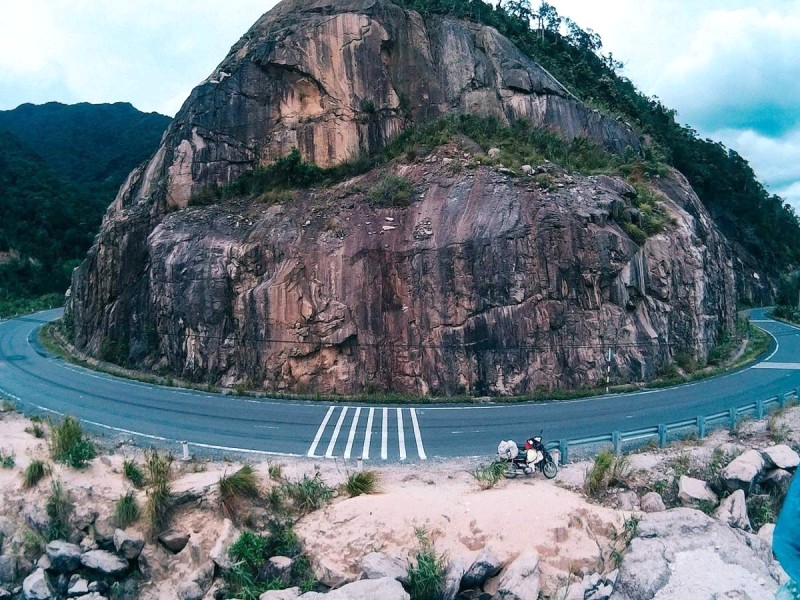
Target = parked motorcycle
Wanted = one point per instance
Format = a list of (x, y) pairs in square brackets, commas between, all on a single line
[(524, 460)]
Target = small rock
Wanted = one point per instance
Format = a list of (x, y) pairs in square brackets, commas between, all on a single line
[(98, 586), (781, 457), (104, 562), (494, 152), (527, 169), (520, 581), (227, 537), (778, 478), (37, 586), (288, 594), (743, 471), (8, 568), (766, 532), (693, 491), (190, 591), (733, 511), (601, 593), (280, 568), (452, 578), (204, 575), (104, 532), (377, 565), (487, 565), (64, 557), (43, 562), (573, 591), (77, 586), (652, 502), (628, 501), (369, 589), (91, 596), (88, 543), (174, 540), (128, 545), (388, 228)]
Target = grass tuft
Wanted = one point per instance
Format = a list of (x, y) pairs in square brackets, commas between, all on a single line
[(490, 475), (7, 460), (133, 473), (365, 482), (69, 444), (59, 508), (159, 493), (34, 473), (310, 493), (126, 510), (426, 579), (36, 430), (242, 484)]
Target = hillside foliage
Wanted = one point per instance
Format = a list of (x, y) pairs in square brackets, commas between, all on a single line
[(761, 222), (60, 167)]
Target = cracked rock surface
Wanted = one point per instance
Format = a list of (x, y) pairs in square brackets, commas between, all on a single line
[(486, 283)]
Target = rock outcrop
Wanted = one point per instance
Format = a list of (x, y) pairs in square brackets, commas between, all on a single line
[(486, 283)]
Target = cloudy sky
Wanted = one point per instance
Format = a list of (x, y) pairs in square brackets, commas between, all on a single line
[(730, 67)]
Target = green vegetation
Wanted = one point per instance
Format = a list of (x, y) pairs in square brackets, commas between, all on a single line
[(36, 430), (275, 471), (59, 508), (60, 167), (764, 508), (490, 475), (607, 471), (34, 473), (725, 182), (6, 460), (426, 578), (365, 482), (69, 444), (126, 510), (233, 489), (309, 494), (250, 578), (159, 493), (133, 473), (392, 191)]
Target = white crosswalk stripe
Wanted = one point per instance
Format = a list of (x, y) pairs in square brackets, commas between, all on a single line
[(342, 430)]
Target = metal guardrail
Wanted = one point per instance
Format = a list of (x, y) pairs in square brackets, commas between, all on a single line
[(663, 432)]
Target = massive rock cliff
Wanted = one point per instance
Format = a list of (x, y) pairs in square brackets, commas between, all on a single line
[(486, 283)]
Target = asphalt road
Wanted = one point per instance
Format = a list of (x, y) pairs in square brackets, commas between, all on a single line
[(378, 433)]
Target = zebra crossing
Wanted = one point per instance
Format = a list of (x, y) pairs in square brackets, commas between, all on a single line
[(362, 432)]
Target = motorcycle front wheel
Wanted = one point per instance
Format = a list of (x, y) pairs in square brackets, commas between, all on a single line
[(510, 473), (549, 468)]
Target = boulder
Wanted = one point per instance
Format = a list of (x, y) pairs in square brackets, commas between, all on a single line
[(64, 557), (377, 565), (103, 531), (452, 578), (287, 594), (733, 511), (766, 532), (493, 152), (603, 592), (368, 589), (683, 553), (174, 540), (487, 565), (104, 563), (227, 537), (128, 545), (693, 491), (91, 596), (520, 581), (5, 594), (778, 478), (36, 586), (572, 591), (204, 576), (743, 471), (77, 586), (189, 590), (329, 573), (652, 502), (43, 562), (780, 457), (155, 562), (628, 501)]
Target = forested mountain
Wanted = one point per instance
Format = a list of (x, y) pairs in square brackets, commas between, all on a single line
[(60, 167), (762, 223)]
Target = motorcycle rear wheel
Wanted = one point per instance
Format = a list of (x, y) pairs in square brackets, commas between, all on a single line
[(549, 469)]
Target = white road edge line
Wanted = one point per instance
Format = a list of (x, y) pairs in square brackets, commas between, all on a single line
[(385, 435), (154, 437), (320, 431), (368, 435), (401, 434), (417, 434), (349, 448), (336, 431), (777, 347)]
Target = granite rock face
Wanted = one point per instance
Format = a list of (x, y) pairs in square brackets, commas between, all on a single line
[(486, 283)]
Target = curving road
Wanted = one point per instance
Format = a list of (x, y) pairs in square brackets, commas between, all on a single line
[(411, 433)]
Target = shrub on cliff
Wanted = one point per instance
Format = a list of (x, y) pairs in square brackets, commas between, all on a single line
[(392, 191)]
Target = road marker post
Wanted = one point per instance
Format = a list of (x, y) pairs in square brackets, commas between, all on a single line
[(701, 427), (662, 435), (615, 439), (185, 451), (563, 451), (733, 417), (759, 409)]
